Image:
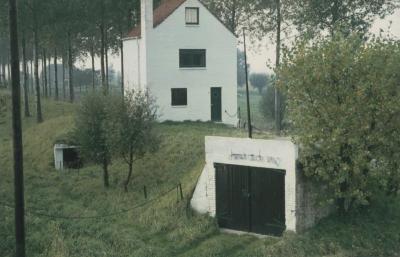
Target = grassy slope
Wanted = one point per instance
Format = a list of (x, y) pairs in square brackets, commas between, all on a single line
[(258, 119), (161, 228)]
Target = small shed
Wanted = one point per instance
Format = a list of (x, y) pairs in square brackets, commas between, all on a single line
[(252, 185), (66, 157)]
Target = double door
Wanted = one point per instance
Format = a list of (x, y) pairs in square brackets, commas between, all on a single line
[(250, 199)]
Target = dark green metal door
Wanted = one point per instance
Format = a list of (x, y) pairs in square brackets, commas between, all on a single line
[(267, 201), (250, 199), (216, 106), (233, 197)]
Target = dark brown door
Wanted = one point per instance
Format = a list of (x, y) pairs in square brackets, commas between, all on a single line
[(250, 199)]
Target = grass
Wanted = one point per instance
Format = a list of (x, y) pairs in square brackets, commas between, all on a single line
[(259, 121), (161, 228)]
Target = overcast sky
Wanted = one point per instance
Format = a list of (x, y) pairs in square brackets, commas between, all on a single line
[(263, 52)]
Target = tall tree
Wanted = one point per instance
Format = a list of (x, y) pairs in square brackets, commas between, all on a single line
[(233, 13), (44, 74), (17, 133), (34, 7), (25, 71), (55, 74), (315, 16)]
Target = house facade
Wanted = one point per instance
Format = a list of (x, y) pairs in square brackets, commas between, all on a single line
[(187, 59)]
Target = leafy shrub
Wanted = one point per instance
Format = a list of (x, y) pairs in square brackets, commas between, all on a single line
[(343, 100)]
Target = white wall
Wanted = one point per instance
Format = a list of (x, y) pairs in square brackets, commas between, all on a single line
[(276, 154), (163, 72)]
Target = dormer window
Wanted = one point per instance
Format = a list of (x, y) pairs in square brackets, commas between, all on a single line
[(192, 16)]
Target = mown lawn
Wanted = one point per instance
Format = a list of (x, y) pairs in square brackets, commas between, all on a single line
[(163, 227)]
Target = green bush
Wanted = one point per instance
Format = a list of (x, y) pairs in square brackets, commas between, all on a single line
[(93, 130), (343, 101)]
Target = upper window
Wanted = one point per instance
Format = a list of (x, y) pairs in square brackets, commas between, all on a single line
[(192, 58), (192, 15), (178, 96)]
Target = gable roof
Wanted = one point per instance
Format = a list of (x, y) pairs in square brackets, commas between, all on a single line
[(165, 9), (161, 13)]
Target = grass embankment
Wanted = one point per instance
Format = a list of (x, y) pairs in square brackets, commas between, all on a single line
[(160, 228), (259, 121)]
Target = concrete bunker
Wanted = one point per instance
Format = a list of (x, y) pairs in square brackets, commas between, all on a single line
[(67, 157), (254, 186)]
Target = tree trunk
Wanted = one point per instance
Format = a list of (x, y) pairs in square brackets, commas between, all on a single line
[(39, 116), (128, 179), (63, 77), (278, 119), (3, 68), (70, 69), (102, 47), (105, 174), (106, 56), (32, 77), (1, 71), (44, 73), (17, 134), (49, 67), (25, 71), (8, 69), (93, 69), (55, 74), (122, 65)]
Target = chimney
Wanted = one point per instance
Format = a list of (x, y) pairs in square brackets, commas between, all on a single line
[(146, 16)]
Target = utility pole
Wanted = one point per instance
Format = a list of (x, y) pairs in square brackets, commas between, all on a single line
[(247, 87), (17, 133), (278, 119)]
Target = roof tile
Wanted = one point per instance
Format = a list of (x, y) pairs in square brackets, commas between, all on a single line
[(165, 9)]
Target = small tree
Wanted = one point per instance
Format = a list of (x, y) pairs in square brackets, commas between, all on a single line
[(134, 134), (259, 81), (343, 100), (93, 130)]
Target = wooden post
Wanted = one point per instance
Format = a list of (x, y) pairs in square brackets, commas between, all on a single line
[(145, 192), (247, 87), (278, 118), (181, 191)]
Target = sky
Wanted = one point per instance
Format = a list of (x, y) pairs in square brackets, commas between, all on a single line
[(262, 52)]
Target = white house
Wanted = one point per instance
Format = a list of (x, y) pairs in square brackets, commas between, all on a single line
[(187, 58)]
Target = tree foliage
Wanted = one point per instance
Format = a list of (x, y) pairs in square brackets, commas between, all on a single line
[(133, 121), (343, 100), (93, 130), (345, 16), (259, 81)]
